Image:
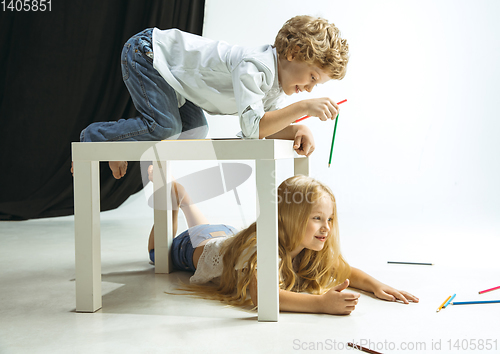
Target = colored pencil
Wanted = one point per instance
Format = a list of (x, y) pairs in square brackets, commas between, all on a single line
[(445, 301), (305, 117), (450, 300), (363, 349), (475, 302), (333, 140), (485, 291), (413, 263)]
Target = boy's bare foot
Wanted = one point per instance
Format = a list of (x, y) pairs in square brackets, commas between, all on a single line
[(119, 168)]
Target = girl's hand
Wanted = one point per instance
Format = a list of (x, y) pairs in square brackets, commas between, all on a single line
[(388, 293), (335, 302), (323, 108), (303, 142)]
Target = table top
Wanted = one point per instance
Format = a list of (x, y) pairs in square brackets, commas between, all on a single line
[(170, 150)]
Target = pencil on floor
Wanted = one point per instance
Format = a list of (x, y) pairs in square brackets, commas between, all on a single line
[(363, 349), (445, 301), (485, 291), (413, 263), (475, 302), (450, 300)]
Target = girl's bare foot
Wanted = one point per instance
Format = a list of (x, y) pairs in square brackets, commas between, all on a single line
[(180, 198), (150, 173), (119, 168)]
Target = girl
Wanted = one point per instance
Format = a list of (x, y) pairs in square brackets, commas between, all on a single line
[(313, 273)]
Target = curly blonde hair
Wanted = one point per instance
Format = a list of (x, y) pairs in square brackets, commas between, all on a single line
[(318, 43), (312, 271)]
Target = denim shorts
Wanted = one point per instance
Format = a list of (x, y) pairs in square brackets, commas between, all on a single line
[(183, 245)]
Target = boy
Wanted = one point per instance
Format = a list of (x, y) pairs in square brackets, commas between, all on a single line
[(174, 76)]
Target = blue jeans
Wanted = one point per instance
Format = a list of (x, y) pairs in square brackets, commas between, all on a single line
[(184, 244), (160, 117)]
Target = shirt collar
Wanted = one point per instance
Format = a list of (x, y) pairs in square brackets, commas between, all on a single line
[(276, 83)]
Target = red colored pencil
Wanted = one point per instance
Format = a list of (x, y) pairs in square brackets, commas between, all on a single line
[(485, 291), (305, 117)]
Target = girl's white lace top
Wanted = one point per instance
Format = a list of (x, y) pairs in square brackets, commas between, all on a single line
[(210, 263)]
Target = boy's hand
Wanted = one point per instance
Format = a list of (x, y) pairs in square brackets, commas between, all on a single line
[(303, 142), (324, 108), (336, 302)]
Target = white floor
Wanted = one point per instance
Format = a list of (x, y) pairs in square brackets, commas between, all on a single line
[(37, 292)]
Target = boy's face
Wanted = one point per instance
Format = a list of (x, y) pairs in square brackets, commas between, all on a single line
[(296, 76)]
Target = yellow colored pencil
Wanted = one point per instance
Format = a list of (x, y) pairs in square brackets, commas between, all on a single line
[(445, 301)]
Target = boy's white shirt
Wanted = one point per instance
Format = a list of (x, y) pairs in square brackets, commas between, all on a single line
[(218, 77)]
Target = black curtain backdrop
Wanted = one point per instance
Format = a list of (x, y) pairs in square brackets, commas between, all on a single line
[(59, 72)]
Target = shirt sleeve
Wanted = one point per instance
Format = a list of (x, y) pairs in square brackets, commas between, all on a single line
[(251, 81)]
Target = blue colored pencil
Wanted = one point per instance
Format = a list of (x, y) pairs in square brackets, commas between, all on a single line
[(444, 302), (475, 302), (450, 300)]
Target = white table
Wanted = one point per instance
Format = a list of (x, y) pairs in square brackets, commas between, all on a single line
[(86, 157)]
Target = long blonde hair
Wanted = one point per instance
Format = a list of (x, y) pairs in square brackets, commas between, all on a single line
[(314, 272)]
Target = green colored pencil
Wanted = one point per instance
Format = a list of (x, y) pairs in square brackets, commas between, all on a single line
[(333, 140)]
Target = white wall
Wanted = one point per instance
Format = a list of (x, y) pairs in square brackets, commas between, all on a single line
[(418, 137)]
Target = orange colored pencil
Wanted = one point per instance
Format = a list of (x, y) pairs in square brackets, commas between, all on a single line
[(445, 301)]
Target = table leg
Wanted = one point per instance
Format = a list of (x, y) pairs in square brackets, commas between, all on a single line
[(162, 216), (301, 166), (267, 241), (87, 236)]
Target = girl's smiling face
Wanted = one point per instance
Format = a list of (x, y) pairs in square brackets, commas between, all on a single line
[(319, 225), (296, 76)]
